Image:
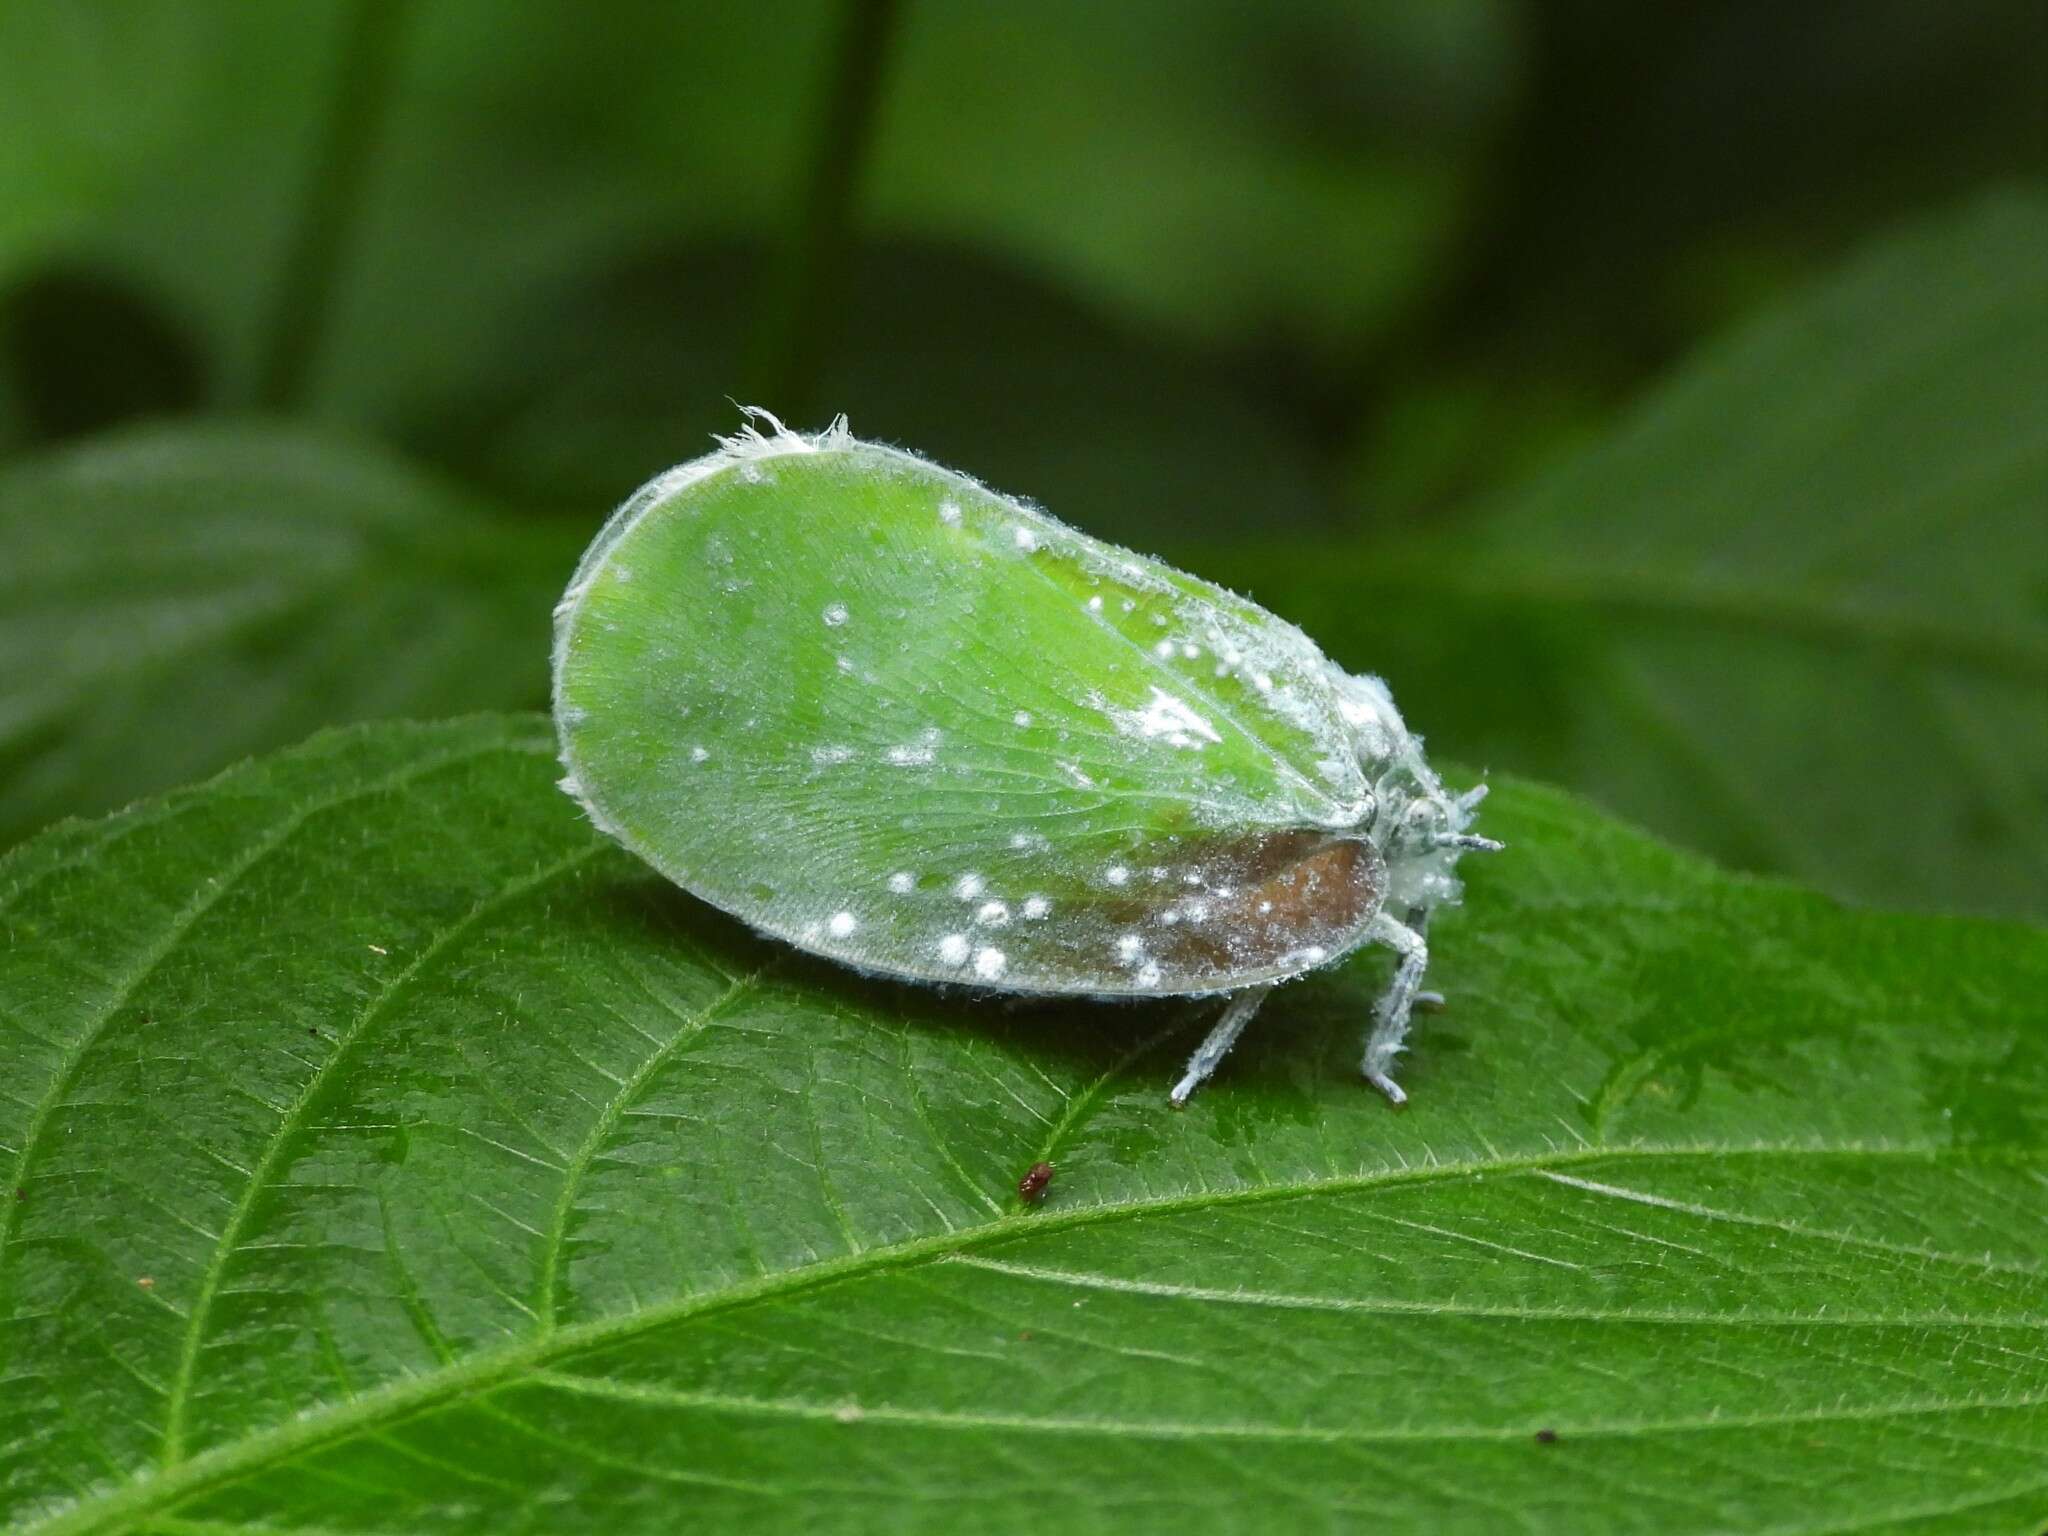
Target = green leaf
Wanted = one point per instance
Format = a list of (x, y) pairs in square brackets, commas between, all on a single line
[(1305, 171), (1794, 613), (176, 598), (393, 1154)]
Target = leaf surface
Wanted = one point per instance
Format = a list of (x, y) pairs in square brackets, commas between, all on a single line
[(1794, 613), (390, 1153), (175, 598)]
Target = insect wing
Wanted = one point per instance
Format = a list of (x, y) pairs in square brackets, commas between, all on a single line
[(882, 712)]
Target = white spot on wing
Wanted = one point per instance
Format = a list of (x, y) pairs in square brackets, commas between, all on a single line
[(1163, 715), (924, 752)]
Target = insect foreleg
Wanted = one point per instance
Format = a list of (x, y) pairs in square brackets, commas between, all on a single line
[(1390, 1022)]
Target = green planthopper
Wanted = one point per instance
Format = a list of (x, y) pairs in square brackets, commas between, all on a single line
[(890, 716)]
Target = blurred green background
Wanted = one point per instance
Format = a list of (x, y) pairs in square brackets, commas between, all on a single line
[(1655, 394)]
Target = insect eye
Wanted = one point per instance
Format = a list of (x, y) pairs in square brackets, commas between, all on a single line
[(1425, 822), (1424, 816)]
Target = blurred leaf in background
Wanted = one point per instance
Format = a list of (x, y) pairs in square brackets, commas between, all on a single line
[(1795, 611), (1159, 171), (177, 597), (1669, 170)]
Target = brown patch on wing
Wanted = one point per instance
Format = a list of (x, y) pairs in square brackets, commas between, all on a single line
[(1337, 886), (1289, 892)]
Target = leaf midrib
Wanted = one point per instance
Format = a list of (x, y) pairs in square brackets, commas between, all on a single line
[(409, 1396), (1285, 1434)]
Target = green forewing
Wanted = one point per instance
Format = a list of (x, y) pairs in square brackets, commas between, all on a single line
[(880, 711)]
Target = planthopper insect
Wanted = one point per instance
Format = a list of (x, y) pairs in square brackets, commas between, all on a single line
[(884, 713)]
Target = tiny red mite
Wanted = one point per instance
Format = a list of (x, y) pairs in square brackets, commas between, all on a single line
[(1031, 1188)]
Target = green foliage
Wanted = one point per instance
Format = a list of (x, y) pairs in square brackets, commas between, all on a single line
[(1794, 612), (395, 1154), (390, 1153), (177, 598), (171, 145)]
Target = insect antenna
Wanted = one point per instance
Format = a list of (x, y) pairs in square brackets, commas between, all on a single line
[(1471, 840)]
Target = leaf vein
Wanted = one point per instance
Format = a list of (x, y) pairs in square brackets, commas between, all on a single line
[(267, 1165)]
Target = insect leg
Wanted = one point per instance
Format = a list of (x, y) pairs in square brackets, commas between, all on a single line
[(1390, 1024), (1220, 1039)]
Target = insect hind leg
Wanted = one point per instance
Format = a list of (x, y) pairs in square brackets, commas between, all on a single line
[(1396, 1004), (1210, 1053)]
